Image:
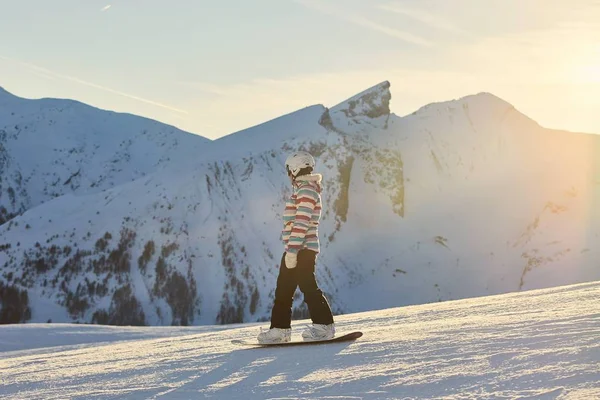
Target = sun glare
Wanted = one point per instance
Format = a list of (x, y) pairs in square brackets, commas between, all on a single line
[(585, 69), (592, 73), (591, 67)]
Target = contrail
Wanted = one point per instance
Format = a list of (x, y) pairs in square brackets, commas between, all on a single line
[(364, 22), (90, 84)]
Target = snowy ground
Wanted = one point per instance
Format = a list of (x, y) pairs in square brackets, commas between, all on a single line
[(541, 344)]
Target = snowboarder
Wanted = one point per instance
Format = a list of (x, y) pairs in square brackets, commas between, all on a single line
[(297, 269)]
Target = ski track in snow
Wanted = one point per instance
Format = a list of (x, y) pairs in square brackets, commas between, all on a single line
[(540, 344)]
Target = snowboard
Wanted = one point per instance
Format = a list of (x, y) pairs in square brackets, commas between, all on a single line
[(344, 338)]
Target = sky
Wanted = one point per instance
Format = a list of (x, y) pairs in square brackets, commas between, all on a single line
[(213, 68)]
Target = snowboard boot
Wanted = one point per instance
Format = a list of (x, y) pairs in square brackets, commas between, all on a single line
[(274, 335), (318, 332)]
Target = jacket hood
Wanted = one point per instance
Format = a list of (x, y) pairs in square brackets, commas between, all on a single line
[(314, 180)]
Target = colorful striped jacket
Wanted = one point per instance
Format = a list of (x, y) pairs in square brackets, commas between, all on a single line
[(302, 214)]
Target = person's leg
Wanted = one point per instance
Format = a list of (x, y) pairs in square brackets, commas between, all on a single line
[(281, 314), (318, 307)]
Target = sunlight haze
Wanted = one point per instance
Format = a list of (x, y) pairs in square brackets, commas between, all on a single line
[(214, 68)]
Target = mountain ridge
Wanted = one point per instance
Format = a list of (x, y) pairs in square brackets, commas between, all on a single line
[(51, 147), (10, 96), (418, 209)]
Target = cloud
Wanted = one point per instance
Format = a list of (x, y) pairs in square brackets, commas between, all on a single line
[(48, 73), (557, 55), (106, 7), (206, 87), (433, 21), (364, 22)]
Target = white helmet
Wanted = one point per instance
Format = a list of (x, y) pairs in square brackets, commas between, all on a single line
[(297, 161)]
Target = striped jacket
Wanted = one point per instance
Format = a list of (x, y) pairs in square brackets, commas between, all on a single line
[(302, 214)]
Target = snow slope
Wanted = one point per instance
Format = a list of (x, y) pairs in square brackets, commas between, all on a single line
[(540, 344), (53, 147), (460, 199)]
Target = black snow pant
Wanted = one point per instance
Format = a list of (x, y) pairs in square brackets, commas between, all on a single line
[(287, 282)]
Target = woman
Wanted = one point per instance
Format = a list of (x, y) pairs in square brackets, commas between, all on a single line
[(300, 236)]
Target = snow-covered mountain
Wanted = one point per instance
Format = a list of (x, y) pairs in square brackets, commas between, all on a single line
[(53, 147), (459, 199), (540, 344)]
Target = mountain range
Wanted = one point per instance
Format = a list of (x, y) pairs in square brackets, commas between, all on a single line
[(111, 218)]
